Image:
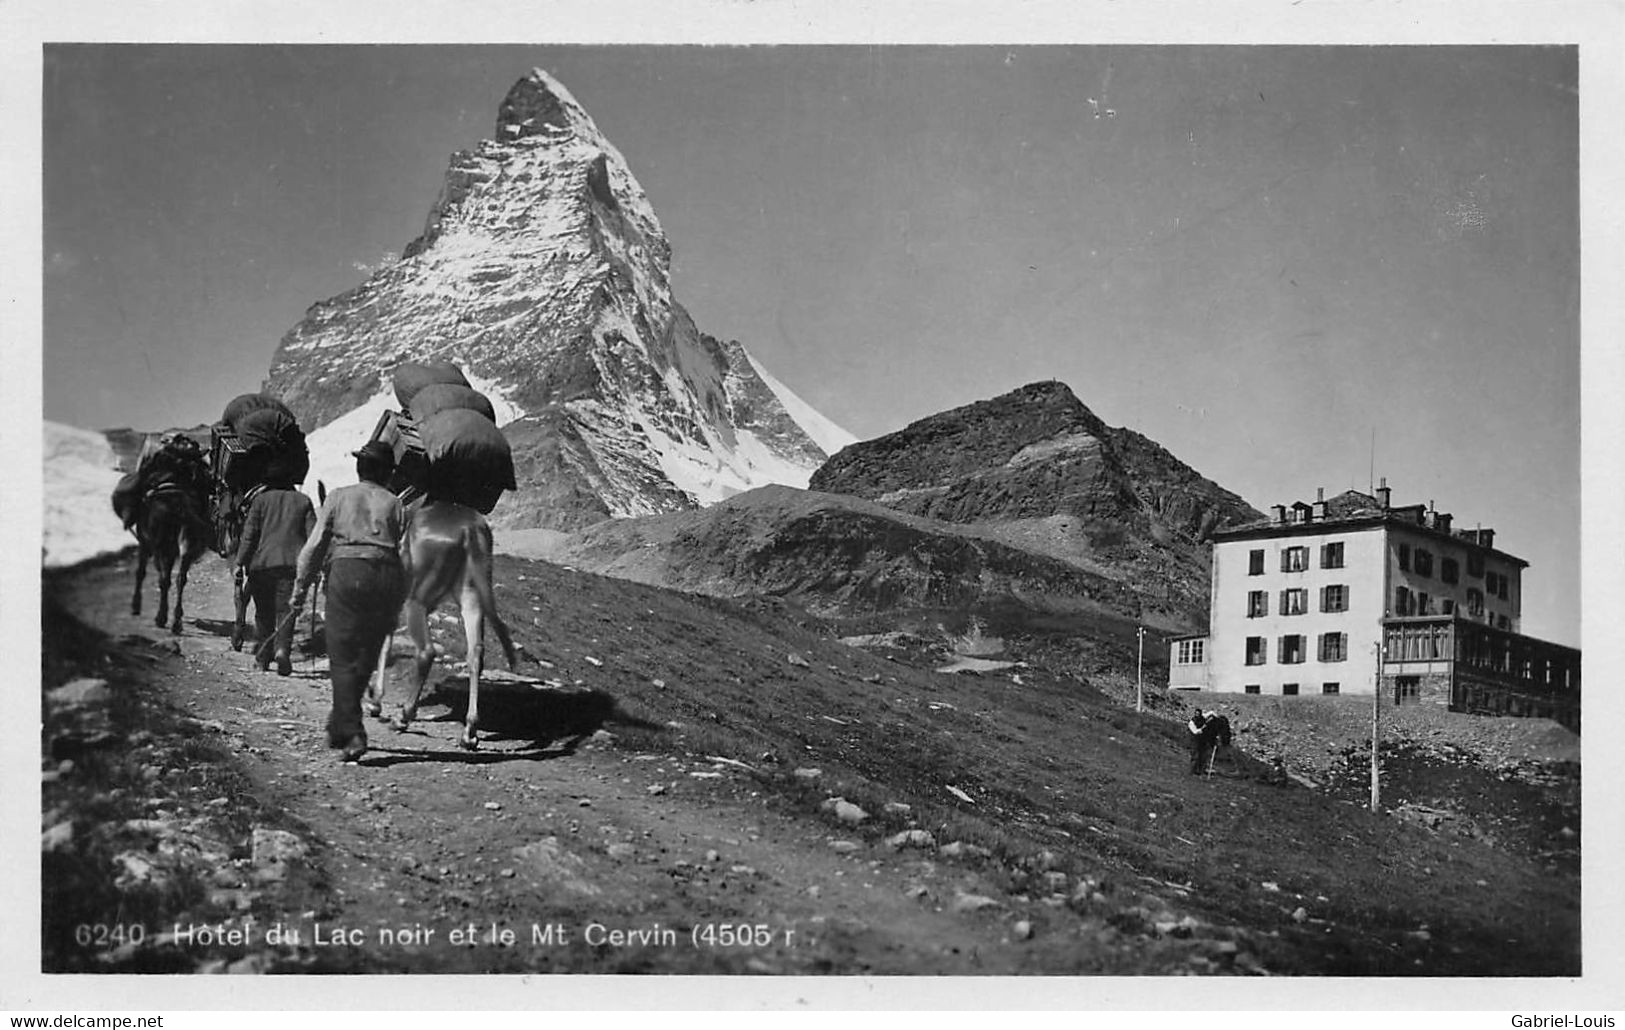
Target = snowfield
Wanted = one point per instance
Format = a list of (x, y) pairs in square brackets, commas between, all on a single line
[(80, 473)]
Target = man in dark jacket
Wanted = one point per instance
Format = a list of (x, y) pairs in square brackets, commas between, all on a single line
[(278, 522), (360, 527), (1200, 748)]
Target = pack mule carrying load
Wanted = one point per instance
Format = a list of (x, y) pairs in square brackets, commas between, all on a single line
[(264, 443), (172, 457), (257, 441), (446, 442)]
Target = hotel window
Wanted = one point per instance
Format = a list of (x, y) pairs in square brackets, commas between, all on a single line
[(1334, 598), (1255, 563), (1294, 559), (1190, 652), (1424, 562), (1334, 647), (1258, 603), (1449, 570), (1405, 557), (1331, 555), (1424, 606), (1256, 651), (1251, 688), (1501, 587), (1289, 688), (1475, 565), (1403, 603), (1328, 688), (1475, 602), (1447, 607), (1489, 582), (1292, 649), (1501, 622), (1295, 601)]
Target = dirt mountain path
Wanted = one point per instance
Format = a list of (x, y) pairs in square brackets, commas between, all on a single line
[(604, 859)]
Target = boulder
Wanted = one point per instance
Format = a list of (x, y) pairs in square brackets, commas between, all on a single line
[(80, 692)]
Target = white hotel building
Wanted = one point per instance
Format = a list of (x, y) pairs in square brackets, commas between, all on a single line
[(1352, 595)]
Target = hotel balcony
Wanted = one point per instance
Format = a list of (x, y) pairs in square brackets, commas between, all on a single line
[(1474, 667)]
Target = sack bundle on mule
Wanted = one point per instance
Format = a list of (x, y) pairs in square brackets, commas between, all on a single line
[(256, 441), (446, 442), (411, 376)]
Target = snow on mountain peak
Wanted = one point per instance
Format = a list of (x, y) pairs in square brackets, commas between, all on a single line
[(544, 273)]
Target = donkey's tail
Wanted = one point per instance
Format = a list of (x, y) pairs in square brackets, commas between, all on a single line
[(477, 545)]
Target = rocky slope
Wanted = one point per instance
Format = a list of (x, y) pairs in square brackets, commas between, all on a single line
[(840, 558), (543, 272), (1025, 511), (1032, 453), (1039, 468)]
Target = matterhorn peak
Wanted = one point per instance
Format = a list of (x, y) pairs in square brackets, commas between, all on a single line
[(544, 274), (538, 105)]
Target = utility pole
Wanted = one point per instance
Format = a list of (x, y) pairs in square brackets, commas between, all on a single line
[(1376, 722), (1139, 672)]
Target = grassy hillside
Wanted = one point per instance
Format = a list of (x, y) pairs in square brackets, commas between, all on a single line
[(1061, 776)]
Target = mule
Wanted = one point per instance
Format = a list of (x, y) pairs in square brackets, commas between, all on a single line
[(446, 552), (171, 528)]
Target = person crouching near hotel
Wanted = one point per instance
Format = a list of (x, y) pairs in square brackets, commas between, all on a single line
[(361, 526), (278, 523)]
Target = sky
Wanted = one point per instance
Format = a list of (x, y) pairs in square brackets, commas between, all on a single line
[(1295, 267)]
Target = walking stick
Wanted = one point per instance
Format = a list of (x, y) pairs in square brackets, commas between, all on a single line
[(287, 620), (315, 593)]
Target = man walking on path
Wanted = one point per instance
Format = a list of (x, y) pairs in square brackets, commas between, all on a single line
[(361, 526), (279, 521)]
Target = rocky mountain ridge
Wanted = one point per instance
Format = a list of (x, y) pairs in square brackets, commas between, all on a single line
[(1025, 511), (1032, 453)]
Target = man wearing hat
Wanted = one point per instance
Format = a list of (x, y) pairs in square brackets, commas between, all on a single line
[(359, 531)]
